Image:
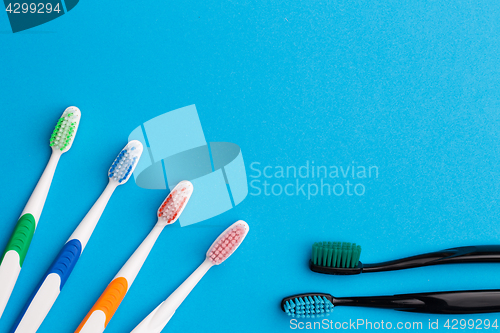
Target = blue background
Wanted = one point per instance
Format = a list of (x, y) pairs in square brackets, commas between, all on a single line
[(412, 87)]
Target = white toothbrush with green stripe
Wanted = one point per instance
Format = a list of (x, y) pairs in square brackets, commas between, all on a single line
[(18, 244)]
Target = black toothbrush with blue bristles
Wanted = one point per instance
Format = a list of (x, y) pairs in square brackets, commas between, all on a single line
[(317, 305)]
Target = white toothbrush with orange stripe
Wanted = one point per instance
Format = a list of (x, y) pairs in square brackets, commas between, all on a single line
[(221, 249), (103, 310)]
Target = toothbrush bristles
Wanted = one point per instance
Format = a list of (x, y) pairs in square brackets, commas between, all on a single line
[(64, 131), (227, 243), (308, 307), (125, 162), (174, 204), (336, 254)]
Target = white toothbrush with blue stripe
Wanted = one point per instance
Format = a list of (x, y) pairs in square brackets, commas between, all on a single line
[(41, 301)]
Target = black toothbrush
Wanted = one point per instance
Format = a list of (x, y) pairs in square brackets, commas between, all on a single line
[(314, 305), (338, 258)]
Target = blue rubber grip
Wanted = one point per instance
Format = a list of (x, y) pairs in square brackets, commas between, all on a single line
[(66, 260), (63, 266)]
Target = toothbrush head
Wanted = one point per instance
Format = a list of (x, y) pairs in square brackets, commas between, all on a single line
[(312, 305), (227, 242), (336, 258), (125, 163), (64, 133), (175, 202)]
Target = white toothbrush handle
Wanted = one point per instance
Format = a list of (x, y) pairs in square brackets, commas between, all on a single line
[(103, 310), (42, 299), (9, 271), (145, 325), (17, 247), (37, 199), (158, 319), (85, 229), (134, 264), (95, 323), (39, 305)]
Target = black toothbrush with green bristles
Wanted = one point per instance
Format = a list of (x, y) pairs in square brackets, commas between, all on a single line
[(339, 258)]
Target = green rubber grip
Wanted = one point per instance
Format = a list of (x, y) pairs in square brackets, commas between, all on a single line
[(21, 237)]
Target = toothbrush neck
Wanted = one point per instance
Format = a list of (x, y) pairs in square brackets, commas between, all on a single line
[(135, 262), (385, 302), (37, 199), (89, 222), (167, 308)]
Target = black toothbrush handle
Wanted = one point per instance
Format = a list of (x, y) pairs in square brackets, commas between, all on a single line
[(457, 255), (448, 302)]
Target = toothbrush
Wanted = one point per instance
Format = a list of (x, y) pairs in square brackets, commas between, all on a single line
[(338, 258), (220, 250), (44, 296), (103, 310), (314, 305), (17, 247)]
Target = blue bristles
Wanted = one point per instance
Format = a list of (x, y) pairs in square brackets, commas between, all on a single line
[(122, 166), (308, 307)]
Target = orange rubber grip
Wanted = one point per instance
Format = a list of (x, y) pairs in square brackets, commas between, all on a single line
[(109, 301)]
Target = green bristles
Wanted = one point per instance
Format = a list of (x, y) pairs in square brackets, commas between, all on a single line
[(64, 131), (336, 254)]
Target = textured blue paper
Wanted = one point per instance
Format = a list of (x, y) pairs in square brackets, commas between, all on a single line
[(412, 87), (168, 141)]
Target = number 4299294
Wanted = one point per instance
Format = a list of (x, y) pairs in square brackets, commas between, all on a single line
[(478, 324), (40, 8)]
